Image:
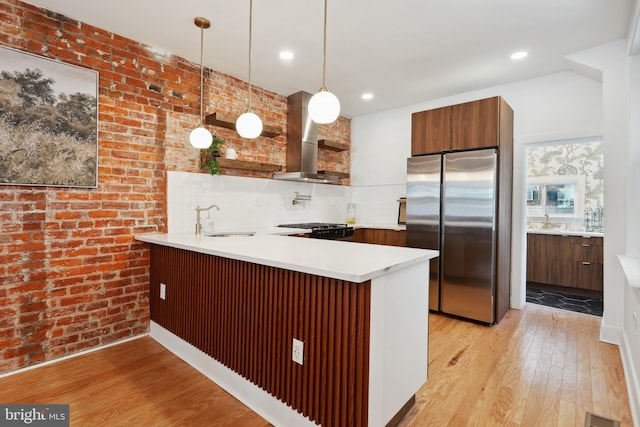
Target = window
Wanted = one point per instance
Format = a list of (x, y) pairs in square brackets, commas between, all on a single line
[(556, 196)]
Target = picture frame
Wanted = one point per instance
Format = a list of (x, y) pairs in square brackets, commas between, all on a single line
[(48, 122)]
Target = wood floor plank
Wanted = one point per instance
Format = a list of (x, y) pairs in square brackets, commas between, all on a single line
[(131, 384), (538, 367), (567, 414), (541, 375), (616, 387)]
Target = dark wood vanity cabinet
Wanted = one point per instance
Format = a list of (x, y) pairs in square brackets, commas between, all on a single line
[(561, 260), (548, 259), (586, 258)]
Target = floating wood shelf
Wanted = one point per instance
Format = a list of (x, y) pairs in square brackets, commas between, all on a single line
[(229, 122), (248, 165), (341, 175), (332, 145)]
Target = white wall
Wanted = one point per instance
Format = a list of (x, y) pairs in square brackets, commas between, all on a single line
[(558, 106), (630, 347), (611, 59), (633, 195)]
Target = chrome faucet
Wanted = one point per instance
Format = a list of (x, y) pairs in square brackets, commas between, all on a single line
[(198, 210), (300, 198)]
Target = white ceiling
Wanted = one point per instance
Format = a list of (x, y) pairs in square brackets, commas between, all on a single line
[(403, 51)]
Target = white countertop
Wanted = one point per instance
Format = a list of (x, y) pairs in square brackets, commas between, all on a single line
[(355, 262), (566, 232)]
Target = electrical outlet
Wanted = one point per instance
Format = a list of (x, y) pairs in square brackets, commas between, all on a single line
[(163, 291), (297, 351)]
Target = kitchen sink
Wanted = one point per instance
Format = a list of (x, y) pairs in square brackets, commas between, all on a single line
[(231, 234)]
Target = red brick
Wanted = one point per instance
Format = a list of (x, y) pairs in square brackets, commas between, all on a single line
[(75, 300), (63, 239)]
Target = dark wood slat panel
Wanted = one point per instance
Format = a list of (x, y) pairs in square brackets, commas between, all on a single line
[(245, 316)]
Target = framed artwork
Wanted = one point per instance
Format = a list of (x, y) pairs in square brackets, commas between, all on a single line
[(48, 122)]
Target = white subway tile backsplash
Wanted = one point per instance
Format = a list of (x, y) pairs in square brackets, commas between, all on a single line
[(250, 202)]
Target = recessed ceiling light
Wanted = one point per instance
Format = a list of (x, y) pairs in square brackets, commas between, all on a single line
[(367, 96), (286, 55), (519, 55)]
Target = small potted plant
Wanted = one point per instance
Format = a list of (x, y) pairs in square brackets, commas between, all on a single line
[(209, 156)]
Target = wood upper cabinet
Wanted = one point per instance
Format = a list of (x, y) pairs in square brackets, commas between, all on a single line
[(429, 129), (475, 124), (478, 124)]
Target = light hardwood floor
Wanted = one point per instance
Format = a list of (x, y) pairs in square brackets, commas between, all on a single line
[(538, 367)]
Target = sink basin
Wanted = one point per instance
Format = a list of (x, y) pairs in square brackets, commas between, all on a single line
[(231, 234)]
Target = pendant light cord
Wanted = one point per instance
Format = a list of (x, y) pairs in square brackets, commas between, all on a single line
[(324, 49), (250, 38), (201, 72)]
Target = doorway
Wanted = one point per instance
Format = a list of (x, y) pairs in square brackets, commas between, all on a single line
[(564, 222)]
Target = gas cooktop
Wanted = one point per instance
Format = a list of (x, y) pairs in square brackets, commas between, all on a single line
[(324, 230), (314, 225)]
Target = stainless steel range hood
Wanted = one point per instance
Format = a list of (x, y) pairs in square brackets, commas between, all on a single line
[(302, 144)]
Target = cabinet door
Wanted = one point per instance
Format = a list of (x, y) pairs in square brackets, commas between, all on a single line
[(587, 275), (549, 259), (380, 236), (537, 271), (586, 260), (475, 124), (431, 131)]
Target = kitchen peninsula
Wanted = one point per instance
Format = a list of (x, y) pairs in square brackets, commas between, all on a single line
[(233, 306)]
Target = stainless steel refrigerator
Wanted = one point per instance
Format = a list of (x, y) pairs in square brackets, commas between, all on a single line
[(451, 207)]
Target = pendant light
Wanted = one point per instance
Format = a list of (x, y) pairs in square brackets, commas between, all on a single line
[(249, 124), (324, 107), (200, 137)]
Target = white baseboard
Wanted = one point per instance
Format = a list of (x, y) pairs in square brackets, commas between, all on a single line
[(71, 356), (632, 380), (268, 407), (610, 334)]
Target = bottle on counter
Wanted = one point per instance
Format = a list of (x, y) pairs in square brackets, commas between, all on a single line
[(351, 213)]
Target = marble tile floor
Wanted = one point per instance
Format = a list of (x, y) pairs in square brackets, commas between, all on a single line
[(588, 303)]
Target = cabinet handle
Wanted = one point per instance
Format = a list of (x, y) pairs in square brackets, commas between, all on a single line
[(585, 245), (586, 263)]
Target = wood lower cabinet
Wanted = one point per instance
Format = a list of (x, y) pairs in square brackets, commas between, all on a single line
[(380, 236), (570, 261), (586, 257), (548, 259)]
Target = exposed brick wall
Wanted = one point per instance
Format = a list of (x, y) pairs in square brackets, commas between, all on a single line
[(72, 276)]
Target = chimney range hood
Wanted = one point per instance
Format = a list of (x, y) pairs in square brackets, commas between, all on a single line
[(302, 144)]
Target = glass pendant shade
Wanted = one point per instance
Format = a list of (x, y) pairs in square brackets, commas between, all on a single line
[(249, 125), (324, 107), (200, 137)]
